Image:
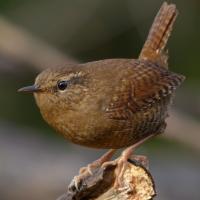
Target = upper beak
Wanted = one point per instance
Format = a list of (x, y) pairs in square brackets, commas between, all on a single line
[(29, 89)]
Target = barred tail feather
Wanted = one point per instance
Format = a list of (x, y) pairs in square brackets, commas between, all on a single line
[(153, 49)]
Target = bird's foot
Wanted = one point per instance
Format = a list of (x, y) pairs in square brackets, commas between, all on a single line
[(103, 162), (76, 183), (97, 163), (122, 162), (89, 169)]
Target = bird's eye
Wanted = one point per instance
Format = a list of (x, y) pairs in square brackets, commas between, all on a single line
[(62, 85)]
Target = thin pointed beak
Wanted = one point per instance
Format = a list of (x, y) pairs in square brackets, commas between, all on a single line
[(29, 89)]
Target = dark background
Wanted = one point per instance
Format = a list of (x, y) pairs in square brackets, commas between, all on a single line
[(36, 163)]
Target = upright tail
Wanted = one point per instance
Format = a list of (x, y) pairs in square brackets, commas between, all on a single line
[(153, 49)]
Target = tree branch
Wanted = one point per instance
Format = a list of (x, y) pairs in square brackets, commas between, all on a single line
[(137, 183)]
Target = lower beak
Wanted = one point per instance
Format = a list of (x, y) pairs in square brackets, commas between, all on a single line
[(29, 89)]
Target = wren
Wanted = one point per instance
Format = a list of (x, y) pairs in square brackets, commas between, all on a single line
[(112, 103)]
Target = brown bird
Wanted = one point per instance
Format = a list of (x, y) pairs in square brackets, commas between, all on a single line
[(112, 103)]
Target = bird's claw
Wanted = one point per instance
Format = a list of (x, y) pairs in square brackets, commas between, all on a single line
[(89, 168), (121, 167), (77, 183)]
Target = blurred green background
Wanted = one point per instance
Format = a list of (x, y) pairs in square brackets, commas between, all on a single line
[(36, 163)]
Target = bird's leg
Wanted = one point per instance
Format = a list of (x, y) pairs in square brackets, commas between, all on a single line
[(84, 171), (123, 161), (98, 163)]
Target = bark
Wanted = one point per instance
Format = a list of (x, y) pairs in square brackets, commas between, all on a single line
[(137, 183)]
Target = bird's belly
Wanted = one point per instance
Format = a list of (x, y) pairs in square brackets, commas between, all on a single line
[(122, 136), (113, 138), (104, 133)]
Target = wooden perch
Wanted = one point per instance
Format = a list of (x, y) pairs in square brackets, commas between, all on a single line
[(138, 183)]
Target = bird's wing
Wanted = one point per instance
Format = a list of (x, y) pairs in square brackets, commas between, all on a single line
[(142, 89)]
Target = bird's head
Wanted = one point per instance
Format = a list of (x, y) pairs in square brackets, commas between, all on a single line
[(56, 89)]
